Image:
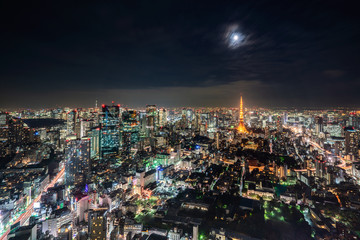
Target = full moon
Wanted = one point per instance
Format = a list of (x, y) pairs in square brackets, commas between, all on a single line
[(235, 39)]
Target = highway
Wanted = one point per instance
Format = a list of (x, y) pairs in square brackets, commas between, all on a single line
[(215, 181), (29, 210), (343, 162), (316, 145)]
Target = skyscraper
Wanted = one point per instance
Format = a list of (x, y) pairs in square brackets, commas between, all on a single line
[(4, 134), (4, 118), (73, 123), (351, 141), (320, 168), (353, 120), (94, 135), (17, 134), (110, 132), (151, 113), (130, 130), (319, 127), (77, 165), (162, 117), (241, 128), (279, 124)]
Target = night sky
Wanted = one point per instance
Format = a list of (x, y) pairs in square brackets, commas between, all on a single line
[(180, 53)]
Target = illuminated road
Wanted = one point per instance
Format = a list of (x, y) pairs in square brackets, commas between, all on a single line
[(342, 165), (297, 153), (337, 196), (215, 181), (304, 170), (343, 162), (28, 211)]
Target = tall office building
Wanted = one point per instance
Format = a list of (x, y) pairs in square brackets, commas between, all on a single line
[(279, 124), (319, 125), (77, 165), (97, 224), (94, 135), (351, 141), (110, 132), (73, 123), (355, 171), (151, 115), (197, 121), (142, 123), (4, 134), (189, 114), (13, 134), (285, 119), (353, 120), (4, 118), (85, 126), (267, 132), (17, 134), (320, 168), (130, 130), (162, 117)]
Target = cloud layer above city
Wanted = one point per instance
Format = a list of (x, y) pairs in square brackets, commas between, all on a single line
[(180, 53)]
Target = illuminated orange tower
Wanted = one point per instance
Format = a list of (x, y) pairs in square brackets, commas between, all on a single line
[(241, 128)]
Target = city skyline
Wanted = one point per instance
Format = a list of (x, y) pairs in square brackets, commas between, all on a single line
[(179, 120), (122, 171), (173, 54)]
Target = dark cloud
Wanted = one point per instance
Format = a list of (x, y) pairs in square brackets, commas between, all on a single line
[(334, 73), (295, 52)]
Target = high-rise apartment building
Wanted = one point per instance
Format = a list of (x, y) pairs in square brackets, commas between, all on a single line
[(351, 141), (77, 165)]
